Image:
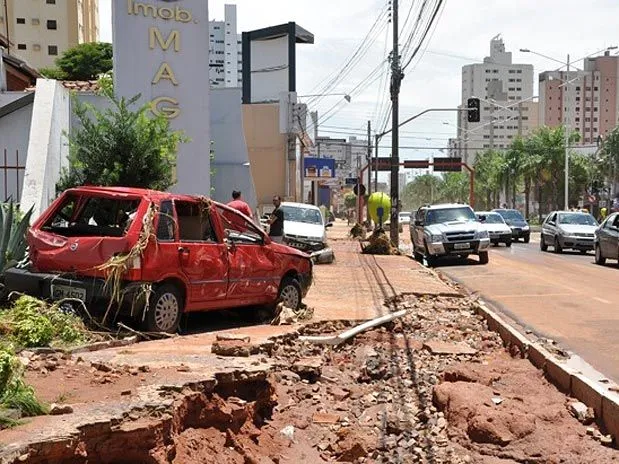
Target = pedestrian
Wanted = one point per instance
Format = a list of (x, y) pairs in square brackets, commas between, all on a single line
[(276, 221), (603, 213), (238, 204)]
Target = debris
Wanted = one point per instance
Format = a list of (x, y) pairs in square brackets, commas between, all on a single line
[(125, 393), (606, 440), (58, 410), (238, 337), (101, 366), (288, 432), (183, 368), (440, 347), (288, 316), (581, 412), (379, 244), (497, 400), (240, 348), (357, 231), (325, 418), (309, 369)]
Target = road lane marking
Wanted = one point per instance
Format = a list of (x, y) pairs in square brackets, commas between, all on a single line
[(601, 300)]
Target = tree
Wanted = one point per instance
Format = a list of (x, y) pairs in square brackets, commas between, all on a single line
[(422, 190), (350, 200), (455, 187), (118, 146), (490, 177), (86, 61)]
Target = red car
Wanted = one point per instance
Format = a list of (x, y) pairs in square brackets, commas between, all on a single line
[(192, 253)]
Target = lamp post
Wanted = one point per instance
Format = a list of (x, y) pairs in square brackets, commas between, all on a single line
[(566, 112)]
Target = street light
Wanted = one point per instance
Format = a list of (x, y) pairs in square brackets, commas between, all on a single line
[(567, 107), (347, 97)]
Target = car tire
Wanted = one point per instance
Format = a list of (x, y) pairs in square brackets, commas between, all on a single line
[(417, 256), (431, 260), (557, 246), (508, 243), (483, 257), (599, 258), (583, 252), (290, 293), (542, 244), (164, 310), (526, 239)]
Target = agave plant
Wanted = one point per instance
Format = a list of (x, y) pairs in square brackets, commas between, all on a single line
[(12, 235)]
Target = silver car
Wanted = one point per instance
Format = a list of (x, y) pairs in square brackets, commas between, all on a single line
[(607, 239), (573, 230)]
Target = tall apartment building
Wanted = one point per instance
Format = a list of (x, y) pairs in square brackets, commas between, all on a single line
[(349, 155), (225, 54), (507, 110), (591, 103), (39, 31)]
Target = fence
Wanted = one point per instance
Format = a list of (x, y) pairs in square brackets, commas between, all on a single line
[(12, 172)]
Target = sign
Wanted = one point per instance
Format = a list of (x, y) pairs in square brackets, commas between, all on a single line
[(417, 164), (161, 54), (447, 164), (384, 164), (359, 189), (318, 168), (350, 181)]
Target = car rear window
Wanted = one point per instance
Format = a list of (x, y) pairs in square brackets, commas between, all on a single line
[(91, 216)]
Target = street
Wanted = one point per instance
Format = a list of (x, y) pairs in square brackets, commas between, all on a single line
[(563, 297)]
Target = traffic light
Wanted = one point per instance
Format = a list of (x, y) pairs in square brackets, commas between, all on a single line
[(473, 110)]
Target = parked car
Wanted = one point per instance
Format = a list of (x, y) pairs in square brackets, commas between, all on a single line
[(568, 230), (198, 255), (305, 228), (404, 219), (516, 221), (498, 230), (448, 230), (606, 242)]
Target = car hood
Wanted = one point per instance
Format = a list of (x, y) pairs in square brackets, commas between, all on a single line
[(454, 226), (304, 229), (577, 228), (496, 227), (286, 250), (516, 222)]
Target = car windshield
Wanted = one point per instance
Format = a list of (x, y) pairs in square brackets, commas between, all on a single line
[(512, 215), (578, 219), (300, 214), (437, 216), (493, 218)]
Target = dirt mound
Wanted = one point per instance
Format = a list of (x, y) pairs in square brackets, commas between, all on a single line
[(379, 244)]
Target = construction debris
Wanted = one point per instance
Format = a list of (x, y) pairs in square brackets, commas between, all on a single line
[(379, 244)]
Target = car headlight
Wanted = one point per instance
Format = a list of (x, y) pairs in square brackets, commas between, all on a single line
[(525, 228), (482, 234), (436, 238)]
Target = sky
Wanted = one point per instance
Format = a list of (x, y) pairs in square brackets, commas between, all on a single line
[(462, 36)]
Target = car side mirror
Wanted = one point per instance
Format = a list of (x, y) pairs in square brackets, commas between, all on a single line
[(328, 224), (418, 222), (482, 218)]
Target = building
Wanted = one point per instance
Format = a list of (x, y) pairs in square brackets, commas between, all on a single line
[(591, 102), (225, 51), (15, 74), (39, 31), (349, 155), (506, 93)]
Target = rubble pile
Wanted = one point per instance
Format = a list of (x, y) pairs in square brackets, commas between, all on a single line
[(379, 244)]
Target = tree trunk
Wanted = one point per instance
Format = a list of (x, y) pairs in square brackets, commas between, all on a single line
[(539, 201), (527, 187)]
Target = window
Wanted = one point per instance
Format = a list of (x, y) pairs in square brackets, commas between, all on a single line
[(52, 25), (52, 50), (194, 223), (577, 119), (577, 99), (238, 229), (595, 89), (35, 21), (50, 2), (21, 46), (165, 227), (519, 89), (519, 71), (21, 20)]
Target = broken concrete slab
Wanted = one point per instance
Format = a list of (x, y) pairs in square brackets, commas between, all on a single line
[(445, 348)]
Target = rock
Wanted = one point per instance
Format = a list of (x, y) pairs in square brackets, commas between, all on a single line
[(497, 400), (606, 440), (443, 348), (101, 367), (236, 337), (144, 369), (325, 418), (581, 412), (591, 431), (339, 393), (23, 458), (288, 432), (309, 369), (231, 348), (125, 393), (183, 368), (441, 423), (58, 409)]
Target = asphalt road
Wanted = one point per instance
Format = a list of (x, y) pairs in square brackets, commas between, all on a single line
[(566, 297)]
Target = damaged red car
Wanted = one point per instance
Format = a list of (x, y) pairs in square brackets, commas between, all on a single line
[(155, 256)]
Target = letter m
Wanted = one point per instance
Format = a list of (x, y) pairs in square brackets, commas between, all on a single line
[(154, 35)]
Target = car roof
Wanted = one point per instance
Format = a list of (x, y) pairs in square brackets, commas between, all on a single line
[(299, 205), (498, 210), (134, 192), (446, 206), (486, 212)]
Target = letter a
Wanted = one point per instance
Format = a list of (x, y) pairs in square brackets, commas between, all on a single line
[(165, 72)]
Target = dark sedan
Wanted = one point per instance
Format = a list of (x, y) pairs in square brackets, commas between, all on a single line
[(606, 240), (516, 221)]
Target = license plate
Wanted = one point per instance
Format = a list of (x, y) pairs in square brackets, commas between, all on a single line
[(60, 292), (462, 246)]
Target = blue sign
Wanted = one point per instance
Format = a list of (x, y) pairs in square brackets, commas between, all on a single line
[(351, 181), (319, 168)]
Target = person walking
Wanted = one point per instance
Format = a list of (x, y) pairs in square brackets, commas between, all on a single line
[(276, 221), (238, 204)]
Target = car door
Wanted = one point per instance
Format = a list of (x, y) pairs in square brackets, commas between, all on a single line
[(203, 255), (549, 229), (254, 267), (418, 228), (609, 237)]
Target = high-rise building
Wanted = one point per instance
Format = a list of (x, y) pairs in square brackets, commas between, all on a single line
[(505, 90), (39, 31), (225, 53), (591, 103), (349, 155)]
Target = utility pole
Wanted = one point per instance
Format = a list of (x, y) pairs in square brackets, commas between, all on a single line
[(376, 140), (369, 158), (566, 107), (396, 80)]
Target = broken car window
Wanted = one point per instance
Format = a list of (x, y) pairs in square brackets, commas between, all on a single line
[(165, 227), (194, 223), (238, 229)]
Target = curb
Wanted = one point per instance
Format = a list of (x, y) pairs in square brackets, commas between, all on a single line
[(569, 381)]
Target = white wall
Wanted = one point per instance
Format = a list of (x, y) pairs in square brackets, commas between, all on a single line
[(14, 132), (47, 148), (269, 68)]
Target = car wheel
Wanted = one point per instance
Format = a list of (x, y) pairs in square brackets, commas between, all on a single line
[(526, 239), (542, 244), (290, 293), (508, 243), (557, 246), (483, 257), (418, 256), (431, 260), (583, 252), (165, 306), (599, 258)]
